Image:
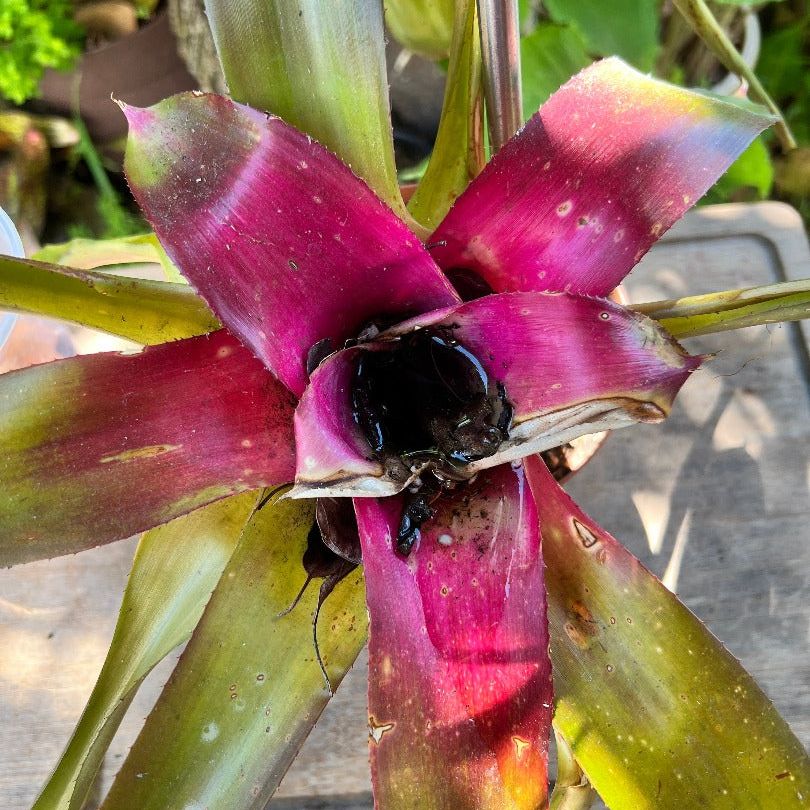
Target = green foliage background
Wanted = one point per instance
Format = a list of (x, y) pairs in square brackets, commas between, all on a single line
[(34, 35)]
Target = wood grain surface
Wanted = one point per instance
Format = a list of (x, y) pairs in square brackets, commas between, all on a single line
[(715, 500)]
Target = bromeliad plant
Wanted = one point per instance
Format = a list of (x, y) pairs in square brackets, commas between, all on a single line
[(403, 373)]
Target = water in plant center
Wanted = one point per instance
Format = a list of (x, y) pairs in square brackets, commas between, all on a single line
[(428, 401)]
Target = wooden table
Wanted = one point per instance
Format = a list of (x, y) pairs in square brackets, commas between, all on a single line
[(715, 500)]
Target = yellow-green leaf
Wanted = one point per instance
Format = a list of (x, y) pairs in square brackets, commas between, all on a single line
[(731, 309), (422, 26), (148, 312), (248, 687), (458, 153), (655, 710), (175, 569), (112, 254)]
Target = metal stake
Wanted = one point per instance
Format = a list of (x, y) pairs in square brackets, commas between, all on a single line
[(500, 50)]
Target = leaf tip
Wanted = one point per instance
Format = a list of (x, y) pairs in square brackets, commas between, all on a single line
[(137, 117)]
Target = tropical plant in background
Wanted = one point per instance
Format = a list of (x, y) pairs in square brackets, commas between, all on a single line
[(401, 367)]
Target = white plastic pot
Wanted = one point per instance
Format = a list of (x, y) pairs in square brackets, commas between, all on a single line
[(10, 245)]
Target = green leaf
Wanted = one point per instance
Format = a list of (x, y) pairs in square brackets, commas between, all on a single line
[(174, 571), (782, 61), (549, 56), (528, 11), (116, 220), (413, 174), (752, 170), (148, 312), (321, 67), (422, 26), (458, 153), (626, 28), (110, 254), (784, 67), (248, 687), (731, 309), (145, 8), (656, 712)]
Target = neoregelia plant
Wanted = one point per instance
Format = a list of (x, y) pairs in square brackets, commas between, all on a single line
[(421, 380)]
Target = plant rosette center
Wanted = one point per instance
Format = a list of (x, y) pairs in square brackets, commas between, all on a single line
[(427, 408)]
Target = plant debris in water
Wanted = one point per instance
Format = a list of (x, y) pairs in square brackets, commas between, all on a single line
[(428, 404), (333, 552)]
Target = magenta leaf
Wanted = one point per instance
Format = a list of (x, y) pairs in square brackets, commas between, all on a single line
[(286, 245), (319, 66), (569, 365), (332, 453), (578, 196), (99, 447), (460, 679)]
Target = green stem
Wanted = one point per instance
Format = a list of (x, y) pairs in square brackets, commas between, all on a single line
[(731, 309), (117, 220), (700, 17), (92, 159)]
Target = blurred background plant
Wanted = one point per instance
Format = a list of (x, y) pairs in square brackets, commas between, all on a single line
[(58, 179)]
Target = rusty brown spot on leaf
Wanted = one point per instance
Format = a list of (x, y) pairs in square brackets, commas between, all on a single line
[(581, 627)]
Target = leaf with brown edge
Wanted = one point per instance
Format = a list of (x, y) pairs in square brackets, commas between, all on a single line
[(627, 370), (338, 526)]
